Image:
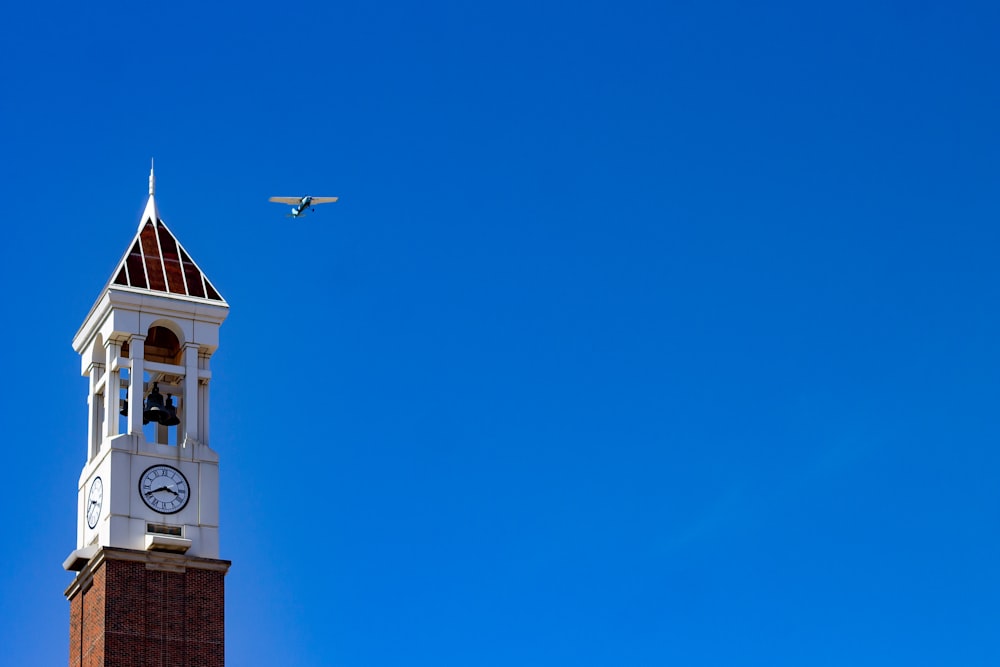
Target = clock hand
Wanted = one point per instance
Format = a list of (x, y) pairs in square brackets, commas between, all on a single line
[(162, 488)]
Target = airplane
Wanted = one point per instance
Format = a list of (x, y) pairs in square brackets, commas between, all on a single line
[(301, 205)]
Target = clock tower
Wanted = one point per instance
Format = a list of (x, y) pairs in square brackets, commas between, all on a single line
[(149, 588)]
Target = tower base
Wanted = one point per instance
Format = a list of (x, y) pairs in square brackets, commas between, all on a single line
[(137, 609)]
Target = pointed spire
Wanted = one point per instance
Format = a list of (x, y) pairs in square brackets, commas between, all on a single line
[(150, 213)]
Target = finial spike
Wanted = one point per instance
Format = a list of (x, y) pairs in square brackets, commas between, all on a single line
[(152, 179)]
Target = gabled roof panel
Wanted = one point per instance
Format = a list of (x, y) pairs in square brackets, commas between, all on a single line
[(156, 261)]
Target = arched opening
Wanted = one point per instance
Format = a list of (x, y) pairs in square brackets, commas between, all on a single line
[(97, 350), (162, 346)]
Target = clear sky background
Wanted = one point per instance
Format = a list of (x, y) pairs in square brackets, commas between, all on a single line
[(653, 333)]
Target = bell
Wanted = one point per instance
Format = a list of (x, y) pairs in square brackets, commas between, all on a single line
[(169, 415), (155, 410), (123, 406)]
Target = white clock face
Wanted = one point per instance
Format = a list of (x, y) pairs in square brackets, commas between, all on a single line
[(164, 489), (94, 501)]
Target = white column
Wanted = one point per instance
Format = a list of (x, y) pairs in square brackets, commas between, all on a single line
[(111, 351), (189, 413), (203, 403), (137, 352), (94, 406)]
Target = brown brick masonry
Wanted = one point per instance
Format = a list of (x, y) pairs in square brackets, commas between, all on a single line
[(147, 609)]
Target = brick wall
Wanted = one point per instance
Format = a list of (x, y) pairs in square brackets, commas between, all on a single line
[(141, 614)]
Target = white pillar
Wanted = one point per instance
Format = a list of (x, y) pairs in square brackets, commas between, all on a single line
[(111, 351), (137, 352), (94, 407), (203, 402), (189, 414)]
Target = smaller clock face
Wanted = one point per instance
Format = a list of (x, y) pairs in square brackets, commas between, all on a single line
[(164, 489), (94, 501)]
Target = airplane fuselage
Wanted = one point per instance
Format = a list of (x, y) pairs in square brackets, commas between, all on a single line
[(301, 208)]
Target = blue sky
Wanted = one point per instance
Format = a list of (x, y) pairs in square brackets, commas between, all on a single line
[(643, 333)]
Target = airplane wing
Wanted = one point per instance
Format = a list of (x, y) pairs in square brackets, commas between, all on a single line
[(323, 200), (291, 201)]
